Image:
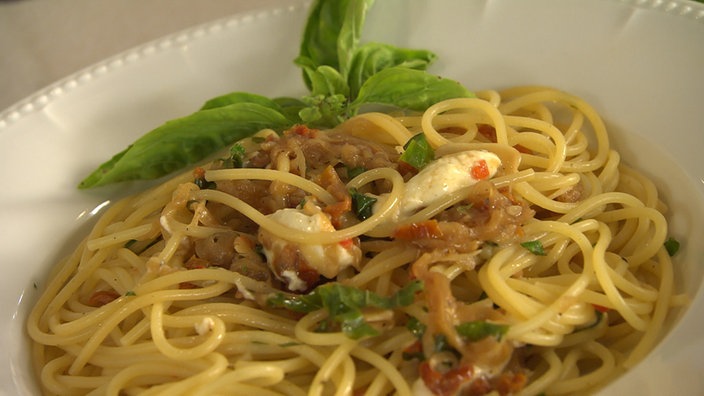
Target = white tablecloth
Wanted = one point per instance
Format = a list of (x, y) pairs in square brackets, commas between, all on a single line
[(42, 41)]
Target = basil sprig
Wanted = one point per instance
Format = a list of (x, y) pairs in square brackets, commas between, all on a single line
[(342, 76)]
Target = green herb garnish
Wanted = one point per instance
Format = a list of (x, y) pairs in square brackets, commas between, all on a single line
[(237, 153), (672, 246), (479, 329), (362, 204), (416, 327), (353, 172), (535, 247), (344, 305), (417, 152)]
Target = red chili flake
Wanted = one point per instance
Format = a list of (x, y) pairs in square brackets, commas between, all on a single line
[(600, 308), (480, 170), (421, 230), (102, 297)]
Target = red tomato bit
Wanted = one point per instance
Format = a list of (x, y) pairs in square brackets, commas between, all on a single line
[(480, 170), (347, 243)]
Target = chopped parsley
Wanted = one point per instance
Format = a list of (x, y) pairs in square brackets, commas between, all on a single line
[(362, 204), (535, 247), (355, 171), (416, 327), (237, 153), (479, 329), (672, 246), (417, 152), (344, 305)]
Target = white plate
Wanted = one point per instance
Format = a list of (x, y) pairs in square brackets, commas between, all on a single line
[(639, 62)]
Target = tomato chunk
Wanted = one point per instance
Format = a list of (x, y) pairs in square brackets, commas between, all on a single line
[(480, 170)]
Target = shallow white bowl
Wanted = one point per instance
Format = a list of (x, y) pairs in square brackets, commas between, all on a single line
[(639, 62)]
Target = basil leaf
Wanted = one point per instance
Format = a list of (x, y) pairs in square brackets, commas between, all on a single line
[(479, 329), (327, 81), (184, 141), (362, 205), (406, 295), (240, 97), (416, 327), (344, 305), (535, 247), (417, 152), (323, 111), (303, 303), (320, 35), (371, 58), (237, 154), (326, 106), (331, 34), (352, 323), (355, 171), (290, 107), (672, 246), (407, 89), (350, 33)]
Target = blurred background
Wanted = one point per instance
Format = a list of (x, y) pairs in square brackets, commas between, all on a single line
[(42, 41)]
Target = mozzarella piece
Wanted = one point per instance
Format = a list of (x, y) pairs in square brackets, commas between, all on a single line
[(326, 259), (205, 325), (294, 282), (295, 218), (445, 175)]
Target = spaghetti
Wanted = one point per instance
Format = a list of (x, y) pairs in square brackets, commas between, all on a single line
[(523, 259)]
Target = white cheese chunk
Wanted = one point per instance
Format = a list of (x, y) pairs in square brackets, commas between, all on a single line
[(205, 325), (445, 175), (326, 259)]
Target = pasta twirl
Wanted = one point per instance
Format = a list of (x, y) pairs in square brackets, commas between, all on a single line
[(533, 264)]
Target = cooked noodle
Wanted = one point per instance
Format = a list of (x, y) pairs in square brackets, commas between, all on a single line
[(145, 305)]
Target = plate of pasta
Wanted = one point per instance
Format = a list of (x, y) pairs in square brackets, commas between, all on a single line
[(358, 197)]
